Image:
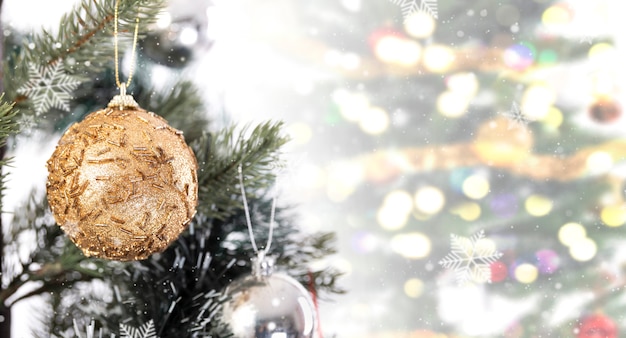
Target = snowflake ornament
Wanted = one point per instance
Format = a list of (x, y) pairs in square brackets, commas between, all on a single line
[(26, 123), (516, 117), (471, 258), (49, 87), (409, 7), (145, 331)]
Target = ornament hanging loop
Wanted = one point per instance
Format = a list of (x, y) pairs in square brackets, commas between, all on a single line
[(116, 48), (123, 89), (262, 264), (123, 101)]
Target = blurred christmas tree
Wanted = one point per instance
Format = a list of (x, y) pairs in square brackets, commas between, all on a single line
[(54, 79), (503, 117)]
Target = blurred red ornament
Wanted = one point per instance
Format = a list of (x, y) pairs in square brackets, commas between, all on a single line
[(498, 271), (597, 326), (605, 110)]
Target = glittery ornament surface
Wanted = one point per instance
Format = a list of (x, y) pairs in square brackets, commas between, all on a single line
[(122, 184)]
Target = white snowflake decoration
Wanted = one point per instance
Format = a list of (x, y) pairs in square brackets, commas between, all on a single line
[(48, 86), (145, 331), (409, 7), (471, 258), (26, 123), (516, 117)]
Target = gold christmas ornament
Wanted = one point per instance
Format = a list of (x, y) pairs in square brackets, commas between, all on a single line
[(122, 183)]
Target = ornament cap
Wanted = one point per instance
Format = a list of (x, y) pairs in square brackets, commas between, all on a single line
[(123, 101), (262, 265)]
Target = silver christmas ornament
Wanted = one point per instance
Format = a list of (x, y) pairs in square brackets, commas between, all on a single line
[(268, 305), (264, 304)]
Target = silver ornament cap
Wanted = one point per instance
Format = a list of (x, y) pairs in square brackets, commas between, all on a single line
[(268, 305)]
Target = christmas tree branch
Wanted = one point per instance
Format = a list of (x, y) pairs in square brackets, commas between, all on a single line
[(84, 34), (56, 257), (90, 25), (8, 127), (218, 157), (181, 106)]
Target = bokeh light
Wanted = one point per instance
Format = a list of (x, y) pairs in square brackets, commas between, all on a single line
[(414, 245), (485, 244), (557, 15), (519, 56), (526, 273), (547, 57), (603, 54), (554, 118), (389, 218), (374, 121), (398, 50), (599, 162), (538, 205), (499, 271), (537, 101), (571, 233), (583, 250), (351, 105), (548, 261), (410, 54), (401, 199), (452, 104), (332, 57), (504, 205), (414, 287), (419, 24), (429, 200), (395, 210), (164, 19), (476, 187), (438, 58), (469, 211), (458, 176), (465, 84), (613, 215)]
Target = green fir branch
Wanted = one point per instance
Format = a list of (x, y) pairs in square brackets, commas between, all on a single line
[(55, 261), (8, 127), (181, 106), (84, 40), (221, 153), (89, 26)]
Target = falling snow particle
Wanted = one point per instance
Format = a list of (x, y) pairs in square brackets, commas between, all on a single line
[(48, 87), (471, 258)]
